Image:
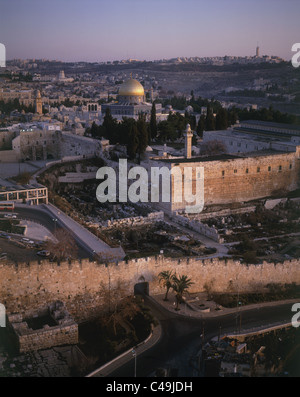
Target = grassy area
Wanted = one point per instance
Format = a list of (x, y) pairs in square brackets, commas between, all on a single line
[(11, 226)]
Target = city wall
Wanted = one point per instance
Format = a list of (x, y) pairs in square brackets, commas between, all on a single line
[(246, 178), (78, 285)]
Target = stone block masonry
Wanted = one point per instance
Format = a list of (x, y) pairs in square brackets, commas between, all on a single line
[(135, 221), (78, 284), (43, 328)]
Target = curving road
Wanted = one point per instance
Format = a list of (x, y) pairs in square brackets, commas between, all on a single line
[(181, 338), (44, 218)]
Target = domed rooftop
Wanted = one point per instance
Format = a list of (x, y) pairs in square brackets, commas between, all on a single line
[(131, 88)]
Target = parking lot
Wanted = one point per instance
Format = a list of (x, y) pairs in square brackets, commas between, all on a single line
[(16, 253)]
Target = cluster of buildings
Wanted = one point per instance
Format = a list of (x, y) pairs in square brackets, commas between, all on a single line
[(228, 60), (259, 159)]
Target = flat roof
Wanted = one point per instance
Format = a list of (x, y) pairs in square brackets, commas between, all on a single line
[(8, 186), (217, 157), (272, 124), (271, 134), (223, 157)]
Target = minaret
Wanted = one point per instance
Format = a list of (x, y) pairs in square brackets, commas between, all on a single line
[(257, 51), (38, 103), (188, 142)]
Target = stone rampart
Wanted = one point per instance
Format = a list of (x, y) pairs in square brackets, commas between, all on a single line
[(78, 284)]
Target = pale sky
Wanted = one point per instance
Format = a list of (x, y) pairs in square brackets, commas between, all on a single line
[(107, 30)]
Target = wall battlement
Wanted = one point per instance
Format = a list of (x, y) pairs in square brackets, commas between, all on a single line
[(78, 284)]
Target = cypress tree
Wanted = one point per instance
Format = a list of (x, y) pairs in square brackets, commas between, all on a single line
[(142, 136), (153, 124), (133, 141)]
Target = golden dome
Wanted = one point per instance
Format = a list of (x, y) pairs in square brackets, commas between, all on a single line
[(131, 88)]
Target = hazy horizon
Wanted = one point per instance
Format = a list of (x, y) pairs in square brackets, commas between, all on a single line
[(101, 31)]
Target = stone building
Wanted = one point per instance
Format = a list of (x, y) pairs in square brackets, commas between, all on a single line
[(253, 135), (37, 144), (25, 96), (229, 178), (44, 328), (131, 102)]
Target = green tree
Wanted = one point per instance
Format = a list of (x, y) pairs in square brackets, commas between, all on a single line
[(133, 141), (143, 137), (166, 279), (166, 131), (95, 131), (210, 121), (124, 129), (180, 286), (201, 125), (110, 127), (222, 120), (153, 124)]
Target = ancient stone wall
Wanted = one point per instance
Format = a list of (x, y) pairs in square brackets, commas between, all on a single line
[(249, 178), (240, 179), (199, 227), (63, 332), (136, 220), (6, 138), (78, 284), (40, 144)]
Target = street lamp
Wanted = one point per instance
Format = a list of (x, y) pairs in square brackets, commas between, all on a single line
[(55, 221), (134, 355)]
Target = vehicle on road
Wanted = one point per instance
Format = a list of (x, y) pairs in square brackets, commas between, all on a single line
[(10, 216), (7, 206), (5, 235), (44, 253)]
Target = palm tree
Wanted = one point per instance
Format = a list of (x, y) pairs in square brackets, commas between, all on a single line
[(180, 286), (166, 279)]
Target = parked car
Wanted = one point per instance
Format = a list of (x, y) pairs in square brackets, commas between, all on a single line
[(45, 254), (5, 235)]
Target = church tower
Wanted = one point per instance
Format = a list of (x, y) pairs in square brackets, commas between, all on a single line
[(38, 103)]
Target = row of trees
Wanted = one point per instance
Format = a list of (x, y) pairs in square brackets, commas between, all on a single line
[(8, 107), (135, 134), (179, 285)]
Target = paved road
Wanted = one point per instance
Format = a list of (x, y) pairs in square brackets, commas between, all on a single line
[(181, 341), (45, 219)]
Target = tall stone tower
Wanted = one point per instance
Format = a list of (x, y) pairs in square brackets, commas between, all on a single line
[(38, 103), (188, 142), (257, 51)]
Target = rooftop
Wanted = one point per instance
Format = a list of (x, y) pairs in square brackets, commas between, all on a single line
[(221, 157), (272, 125), (218, 157)]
